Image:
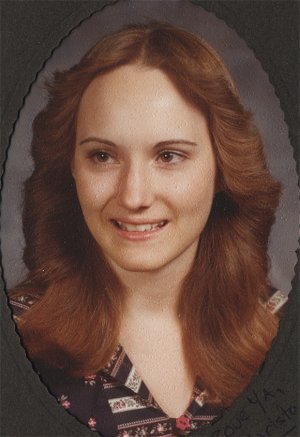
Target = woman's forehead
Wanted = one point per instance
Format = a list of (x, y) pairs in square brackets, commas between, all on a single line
[(129, 83), (135, 100)]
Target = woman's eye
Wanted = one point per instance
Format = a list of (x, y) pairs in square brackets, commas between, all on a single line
[(101, 156), (168, 156)]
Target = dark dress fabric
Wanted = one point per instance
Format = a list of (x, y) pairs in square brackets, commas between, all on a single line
[(115, 402)]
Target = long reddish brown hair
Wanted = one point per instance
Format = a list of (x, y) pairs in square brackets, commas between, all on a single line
[(75, 323)]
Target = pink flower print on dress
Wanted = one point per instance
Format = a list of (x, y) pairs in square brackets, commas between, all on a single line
[(160, 427), (90, 379), (125, 434), (201, 398), (63, 400), (92, 422), (182, 423)]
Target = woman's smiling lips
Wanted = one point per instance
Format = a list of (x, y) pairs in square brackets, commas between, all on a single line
[(138, 230)]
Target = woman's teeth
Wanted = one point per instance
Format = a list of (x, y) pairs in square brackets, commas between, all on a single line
[(139, 228)]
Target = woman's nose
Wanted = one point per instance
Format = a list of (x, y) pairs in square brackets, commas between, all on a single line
[(136, 187)]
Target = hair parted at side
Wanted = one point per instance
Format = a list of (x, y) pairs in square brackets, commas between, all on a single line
[(223, 298)]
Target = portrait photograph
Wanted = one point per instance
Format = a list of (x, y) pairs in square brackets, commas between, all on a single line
[(149, 222)]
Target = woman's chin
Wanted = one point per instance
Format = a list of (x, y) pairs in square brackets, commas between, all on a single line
[(138, 265)]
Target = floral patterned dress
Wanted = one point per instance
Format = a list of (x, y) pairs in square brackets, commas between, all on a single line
[(115, 402)]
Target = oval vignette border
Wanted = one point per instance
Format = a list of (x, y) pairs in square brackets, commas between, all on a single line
[(40, 418)]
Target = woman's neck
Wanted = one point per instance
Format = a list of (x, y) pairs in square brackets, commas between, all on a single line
[(149, 293), (154, 293)]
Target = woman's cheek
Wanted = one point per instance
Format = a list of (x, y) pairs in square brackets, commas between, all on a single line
[(96, 190)]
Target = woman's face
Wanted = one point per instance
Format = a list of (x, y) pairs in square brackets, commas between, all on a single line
[(144, 169)]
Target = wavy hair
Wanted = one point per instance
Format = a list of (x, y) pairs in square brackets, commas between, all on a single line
[(223, 299)]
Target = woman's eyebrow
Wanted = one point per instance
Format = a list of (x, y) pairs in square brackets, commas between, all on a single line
[(97, 140), (158, 145), (174, 142)]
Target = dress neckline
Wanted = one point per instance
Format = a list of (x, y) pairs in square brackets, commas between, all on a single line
[(121, 369)]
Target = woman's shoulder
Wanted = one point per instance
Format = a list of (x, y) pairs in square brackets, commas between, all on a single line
[(276, 301), (21, 302)]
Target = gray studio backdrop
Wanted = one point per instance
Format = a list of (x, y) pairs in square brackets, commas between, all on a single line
[(256, 92)]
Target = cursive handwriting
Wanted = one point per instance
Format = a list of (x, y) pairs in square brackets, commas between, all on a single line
[(279, 417)]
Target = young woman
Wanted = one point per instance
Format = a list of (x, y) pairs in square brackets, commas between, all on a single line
[(146, 307)]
